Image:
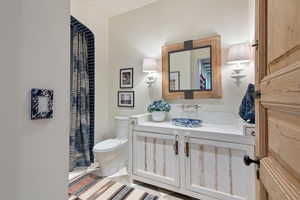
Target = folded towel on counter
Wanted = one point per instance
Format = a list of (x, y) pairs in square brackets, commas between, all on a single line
[(247, 107)]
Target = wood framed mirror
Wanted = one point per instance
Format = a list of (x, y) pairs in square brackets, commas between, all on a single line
[(192, 69)]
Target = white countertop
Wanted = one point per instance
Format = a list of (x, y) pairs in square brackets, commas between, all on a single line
[(229, 130), (213, 128)]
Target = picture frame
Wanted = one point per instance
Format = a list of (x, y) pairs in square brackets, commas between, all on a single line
[(126, 99), (126, 78), (41, 103), (174, 81)]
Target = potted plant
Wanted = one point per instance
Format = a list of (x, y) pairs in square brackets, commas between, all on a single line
[(158, 109)]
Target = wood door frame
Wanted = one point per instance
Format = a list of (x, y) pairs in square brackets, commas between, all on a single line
[(260, 72)]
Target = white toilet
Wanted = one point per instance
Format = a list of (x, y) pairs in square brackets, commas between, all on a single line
[(112, 154)]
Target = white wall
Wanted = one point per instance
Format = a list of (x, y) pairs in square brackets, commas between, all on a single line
[(34, 53), (142, 33), (95, 18)]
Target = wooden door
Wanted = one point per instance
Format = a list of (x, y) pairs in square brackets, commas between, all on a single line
[(155, 158), (216, 169), (278, 108)]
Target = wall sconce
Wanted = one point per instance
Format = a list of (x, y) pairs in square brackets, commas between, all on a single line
[(150, 67), (238, 54)]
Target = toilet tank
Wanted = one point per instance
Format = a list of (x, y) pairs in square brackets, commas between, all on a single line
[(122, 127)]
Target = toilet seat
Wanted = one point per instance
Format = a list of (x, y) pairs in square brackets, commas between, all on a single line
[(109, 145)]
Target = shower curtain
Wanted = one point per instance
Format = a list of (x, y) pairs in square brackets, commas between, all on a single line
[(80, 114)]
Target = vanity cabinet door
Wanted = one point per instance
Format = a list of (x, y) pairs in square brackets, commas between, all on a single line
[(155, 157), (216, 169)]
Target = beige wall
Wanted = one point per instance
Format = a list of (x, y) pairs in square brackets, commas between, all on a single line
[(34, 53), (9, 86), (142, 32)]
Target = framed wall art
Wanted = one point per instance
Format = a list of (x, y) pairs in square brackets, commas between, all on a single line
[(41, 104), (126, 78), (126, 99)]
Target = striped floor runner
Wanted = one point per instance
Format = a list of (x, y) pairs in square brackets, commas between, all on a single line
[(91, 187)]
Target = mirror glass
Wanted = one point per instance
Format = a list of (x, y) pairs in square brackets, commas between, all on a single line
[(190, 69)]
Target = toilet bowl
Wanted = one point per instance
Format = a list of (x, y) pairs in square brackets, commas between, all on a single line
[(112, 154)]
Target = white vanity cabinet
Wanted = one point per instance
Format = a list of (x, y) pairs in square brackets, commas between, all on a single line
[(155, 157), (193, 162), (216, 169)]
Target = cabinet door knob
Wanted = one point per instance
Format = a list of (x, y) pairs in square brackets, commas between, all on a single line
[(187, 149), (176, 149), (255, 44)]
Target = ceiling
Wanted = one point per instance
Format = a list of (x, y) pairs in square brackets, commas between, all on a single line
[(114, 7)]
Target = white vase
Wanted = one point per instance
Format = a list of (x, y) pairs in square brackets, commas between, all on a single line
[(158, 116)]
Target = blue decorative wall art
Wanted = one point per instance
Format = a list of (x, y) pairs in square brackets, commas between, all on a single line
[(41, 104)]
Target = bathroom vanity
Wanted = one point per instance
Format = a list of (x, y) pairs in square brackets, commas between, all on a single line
[(204, 162)]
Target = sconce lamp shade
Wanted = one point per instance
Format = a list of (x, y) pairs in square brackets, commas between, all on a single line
[(149, 65), (239, 53)]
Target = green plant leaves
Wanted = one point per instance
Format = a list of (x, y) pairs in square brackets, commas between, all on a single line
[(159, 105)]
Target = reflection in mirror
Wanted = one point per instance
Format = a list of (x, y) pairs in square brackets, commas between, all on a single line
[(190, 69)]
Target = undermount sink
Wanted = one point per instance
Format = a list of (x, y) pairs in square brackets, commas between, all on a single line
[(187, 122)]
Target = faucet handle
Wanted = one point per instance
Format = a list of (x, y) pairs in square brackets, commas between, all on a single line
[(197, 106), (190, 107)]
